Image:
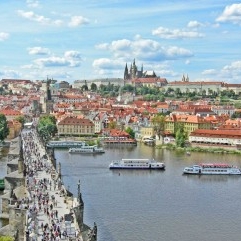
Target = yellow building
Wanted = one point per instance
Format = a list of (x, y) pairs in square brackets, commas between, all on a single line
[(14, 129), (74, 126), (147, 132), (190, 123)]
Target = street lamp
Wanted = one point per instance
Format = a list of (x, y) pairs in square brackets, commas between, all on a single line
[(78, 191)]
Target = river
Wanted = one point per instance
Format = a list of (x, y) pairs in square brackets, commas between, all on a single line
[(155, 205)]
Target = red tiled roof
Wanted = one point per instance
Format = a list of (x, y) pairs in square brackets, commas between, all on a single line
[(73, 120), (11, 112), (195, 83), (149, 80), (217, 133)]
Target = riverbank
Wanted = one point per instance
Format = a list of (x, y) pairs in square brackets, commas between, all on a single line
[(207, 148)]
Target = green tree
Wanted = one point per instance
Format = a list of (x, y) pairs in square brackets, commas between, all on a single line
[(4, 129), (237, 105), (169, 91), (47, 127), (161, 97), (1, 90), (84, 87), (131, 132), (21, 119), (178, 92), (181, 136), (236, 115), (158, 123), (127, 88), (112, 124), (93, 87)]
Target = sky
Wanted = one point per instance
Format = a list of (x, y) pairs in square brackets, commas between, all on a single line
[(70, 40)]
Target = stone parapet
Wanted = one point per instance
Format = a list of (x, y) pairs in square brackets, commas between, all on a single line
[(19, 186)]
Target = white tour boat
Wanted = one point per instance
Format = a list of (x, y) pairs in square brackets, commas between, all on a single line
[(137, 164), (212, 169), (87, 150)]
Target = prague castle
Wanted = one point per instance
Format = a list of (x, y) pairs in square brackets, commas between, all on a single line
[(148, 78)]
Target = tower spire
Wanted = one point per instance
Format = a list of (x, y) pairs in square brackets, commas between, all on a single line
[(126, 75)]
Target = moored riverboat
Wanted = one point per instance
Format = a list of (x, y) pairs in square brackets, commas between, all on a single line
[(119, 141), (65, 144), (137, 164), (212, 169), (87, 150), (148, 141)]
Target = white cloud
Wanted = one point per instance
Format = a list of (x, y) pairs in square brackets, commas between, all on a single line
[(166, 72), (103, 46), (30, 15), (209, 72), (194, 24), (56, 74), (72, 54), (234, 66), (105, 63), (34, 17), (9, 74), (3, 36), (108, 67), (120, 45), (38, 51), (70, 59), (51, 62), (176, 33), (144, 50), (230, 72), (32, 3), (37, 73), (77, 21), (28, 66), (231, 13)]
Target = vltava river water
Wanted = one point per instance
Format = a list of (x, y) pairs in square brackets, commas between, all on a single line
[(155, 205)]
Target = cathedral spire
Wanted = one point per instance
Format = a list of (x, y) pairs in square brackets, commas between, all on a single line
[(133, 70), (126, 75), (187, 79)]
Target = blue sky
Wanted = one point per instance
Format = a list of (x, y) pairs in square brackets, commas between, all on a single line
[(80, 39)]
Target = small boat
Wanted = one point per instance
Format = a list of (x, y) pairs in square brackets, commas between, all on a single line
[(212, 169), (149, 141), (86, 150), (137, 164), (188, 153)]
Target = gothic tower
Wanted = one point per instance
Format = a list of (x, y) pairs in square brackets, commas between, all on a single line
[(126, 74), (49, 102), (133, 70)]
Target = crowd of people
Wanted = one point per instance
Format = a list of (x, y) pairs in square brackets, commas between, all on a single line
[(45, 215)]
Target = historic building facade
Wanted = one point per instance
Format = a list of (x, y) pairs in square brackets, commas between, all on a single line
[(137, 77), (74, 126), (216, 137), (202, 87)]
